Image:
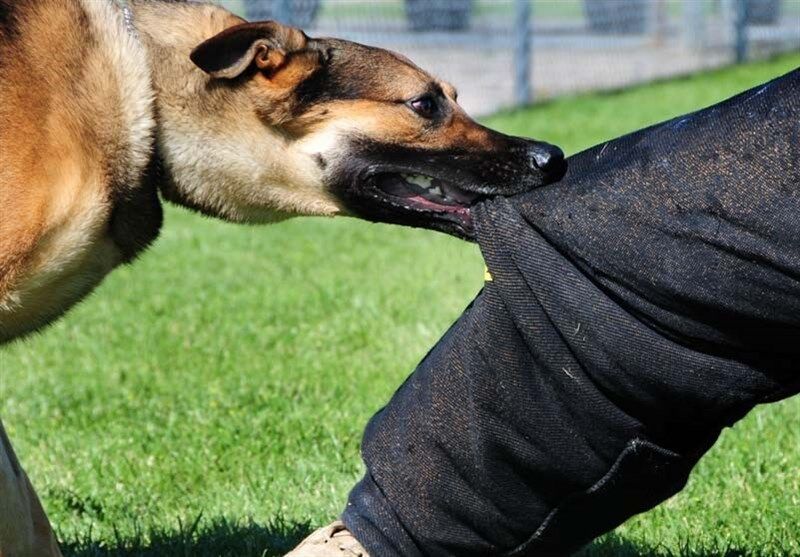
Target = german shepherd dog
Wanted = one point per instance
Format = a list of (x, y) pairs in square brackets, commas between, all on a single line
[(103, 106)]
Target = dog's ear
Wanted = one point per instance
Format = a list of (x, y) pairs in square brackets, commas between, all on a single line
[(265, 44)]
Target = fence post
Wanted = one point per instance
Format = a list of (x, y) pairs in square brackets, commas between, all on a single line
[(522, 52), (695, 23), (658, 20), (740, 29)]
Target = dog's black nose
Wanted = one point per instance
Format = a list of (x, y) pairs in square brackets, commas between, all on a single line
[(547, 158)]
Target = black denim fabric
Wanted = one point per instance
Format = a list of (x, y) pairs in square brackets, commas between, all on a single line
[(638, 307)]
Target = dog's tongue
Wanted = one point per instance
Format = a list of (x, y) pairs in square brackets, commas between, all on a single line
[(439, 207), (454, 193)]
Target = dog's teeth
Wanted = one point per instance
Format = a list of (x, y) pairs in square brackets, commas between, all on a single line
[(418, 180), (437, 191)]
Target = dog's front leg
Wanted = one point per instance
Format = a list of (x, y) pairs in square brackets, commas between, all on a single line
[(24, 528)]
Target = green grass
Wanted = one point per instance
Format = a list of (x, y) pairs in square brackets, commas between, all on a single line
[(209, 399)]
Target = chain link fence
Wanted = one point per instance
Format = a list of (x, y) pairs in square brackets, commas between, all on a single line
[(506, 53)]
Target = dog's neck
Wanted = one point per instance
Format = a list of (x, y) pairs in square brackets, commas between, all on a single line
[(169, 31), (213, 150), (213, 153)]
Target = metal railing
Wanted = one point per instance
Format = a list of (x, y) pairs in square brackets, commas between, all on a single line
[(504, 53)]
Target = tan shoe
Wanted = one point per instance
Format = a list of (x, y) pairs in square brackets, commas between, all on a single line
[(333, 540)]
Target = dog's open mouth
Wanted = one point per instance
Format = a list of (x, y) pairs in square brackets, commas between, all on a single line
[(426, 195)]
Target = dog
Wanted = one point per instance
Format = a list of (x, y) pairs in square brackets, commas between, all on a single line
[(107, 108)]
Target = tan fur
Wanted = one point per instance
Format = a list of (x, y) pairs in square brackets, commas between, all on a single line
[(228, 162), (75, 117), (389, 124), (67, 137), (80, 97)]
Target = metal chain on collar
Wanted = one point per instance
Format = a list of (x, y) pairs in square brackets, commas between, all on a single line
[(127, 17)]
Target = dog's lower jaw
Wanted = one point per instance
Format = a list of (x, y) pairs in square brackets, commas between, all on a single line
[(376, 208), (378, 193)]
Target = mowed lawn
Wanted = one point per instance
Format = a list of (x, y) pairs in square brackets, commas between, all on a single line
[(210, 399)]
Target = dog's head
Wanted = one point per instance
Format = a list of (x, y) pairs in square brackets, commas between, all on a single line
[(382, 139)]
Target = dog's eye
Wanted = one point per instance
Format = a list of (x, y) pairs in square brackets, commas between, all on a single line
[(424, 106)]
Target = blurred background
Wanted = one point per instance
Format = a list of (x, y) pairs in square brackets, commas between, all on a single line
[(209, 400), (507, 53)]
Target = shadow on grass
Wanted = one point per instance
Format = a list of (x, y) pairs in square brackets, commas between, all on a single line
[(225, 538), (612, 545), (218, 537)]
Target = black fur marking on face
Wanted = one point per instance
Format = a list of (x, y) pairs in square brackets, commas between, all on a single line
[(349, 71), (429, 188), (505, 170), (8, 19), (320, 160), (324, 86)]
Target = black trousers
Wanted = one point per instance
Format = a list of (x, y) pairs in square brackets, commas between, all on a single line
[(638, 307)]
